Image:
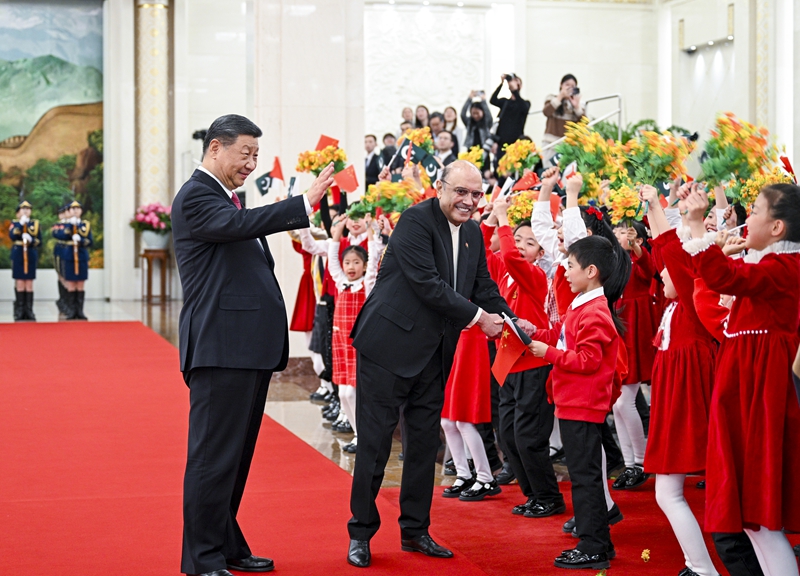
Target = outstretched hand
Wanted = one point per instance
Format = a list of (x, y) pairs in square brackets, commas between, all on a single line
[(320, 186), (491, 324)]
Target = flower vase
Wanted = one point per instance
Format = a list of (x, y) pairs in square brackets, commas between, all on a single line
[(155, 240)]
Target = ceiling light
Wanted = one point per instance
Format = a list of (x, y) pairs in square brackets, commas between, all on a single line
[(692, 48), (460, 3), (730, 37), (425, 3), (710, 42)]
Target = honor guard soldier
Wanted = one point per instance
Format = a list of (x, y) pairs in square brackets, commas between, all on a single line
[(26, 237), (74, 237), (63, 216)]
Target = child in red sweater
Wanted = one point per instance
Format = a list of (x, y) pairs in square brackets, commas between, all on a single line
[(583, 351)]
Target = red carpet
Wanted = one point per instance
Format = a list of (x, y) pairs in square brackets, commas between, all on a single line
[(93, 428)]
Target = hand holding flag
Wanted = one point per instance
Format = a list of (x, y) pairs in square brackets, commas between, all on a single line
[(513, 343)]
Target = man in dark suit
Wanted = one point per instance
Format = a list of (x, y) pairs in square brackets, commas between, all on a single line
[(372, 161), (433, 282), (233, 336)]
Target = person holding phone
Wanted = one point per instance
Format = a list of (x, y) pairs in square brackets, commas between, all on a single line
[(513, 113), (559, 109), (477, 119)]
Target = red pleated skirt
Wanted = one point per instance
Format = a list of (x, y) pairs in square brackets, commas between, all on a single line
[(639, 315), (468, 393), (680, 397), (753, 464)]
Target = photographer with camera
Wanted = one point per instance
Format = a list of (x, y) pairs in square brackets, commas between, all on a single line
[(477, 120), (559, 109), (513, 113)]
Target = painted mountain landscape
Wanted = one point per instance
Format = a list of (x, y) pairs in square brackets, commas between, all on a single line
[(51, 115)]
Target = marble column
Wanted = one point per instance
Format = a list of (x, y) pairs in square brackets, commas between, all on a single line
[(152, 101), (307, 80)]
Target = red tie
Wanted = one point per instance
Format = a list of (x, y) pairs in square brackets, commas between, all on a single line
[(236, 202)]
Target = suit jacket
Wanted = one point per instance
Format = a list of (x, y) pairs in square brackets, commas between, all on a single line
[(233, 312), (413, 307), (373, 169)]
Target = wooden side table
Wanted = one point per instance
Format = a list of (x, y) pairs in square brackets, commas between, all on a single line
[(148, 256)]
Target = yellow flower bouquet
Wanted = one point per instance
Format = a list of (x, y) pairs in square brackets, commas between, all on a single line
[(519, 156), (624, 205), (745, 192), (736, 149), (656, 157), (419, 136), (473, 155), (593, 155), (314, 161), (386, 198), (521, 207)]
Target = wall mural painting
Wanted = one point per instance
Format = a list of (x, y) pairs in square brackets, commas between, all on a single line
[(51, 116)]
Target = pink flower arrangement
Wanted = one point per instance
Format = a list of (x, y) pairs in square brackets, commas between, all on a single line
[(153, 217)]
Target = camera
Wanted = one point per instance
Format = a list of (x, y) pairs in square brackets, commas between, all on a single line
[(576, 91), (509, 77), (199, 134)]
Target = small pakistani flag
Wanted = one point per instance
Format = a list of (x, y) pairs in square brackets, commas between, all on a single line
[(264, 183), (431, 166)]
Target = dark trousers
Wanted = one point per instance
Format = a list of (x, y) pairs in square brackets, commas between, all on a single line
[(582, 446), (613, 453), (379, 396), (737, 553), (226, 407), (526, 422)]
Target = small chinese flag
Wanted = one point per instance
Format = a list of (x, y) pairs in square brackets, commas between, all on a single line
[(276, 173), (509, 349), (495, 193), (527, 182), (325, 141), (336, 195), (346, 179), (555, 204)]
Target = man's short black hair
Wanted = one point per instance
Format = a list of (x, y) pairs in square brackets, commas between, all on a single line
[(388, 135), (371, 136), (438, 115), (226, 129), (597, 251)]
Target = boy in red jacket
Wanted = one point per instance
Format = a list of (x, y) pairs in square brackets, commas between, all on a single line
[(583, 351)]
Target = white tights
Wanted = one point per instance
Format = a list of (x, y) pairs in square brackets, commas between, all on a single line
[(669, 496), (775, 554), (347, 396), (609, 501), (461, 435), (629, 426)]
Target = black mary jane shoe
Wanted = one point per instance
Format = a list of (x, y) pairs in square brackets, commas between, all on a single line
[(688, 572), (458, 487), (520, 509), (358, 554), (637, 478), (251, 564), (545, 509), (425, 545), (479, 491), (573, 559), (622, 479)]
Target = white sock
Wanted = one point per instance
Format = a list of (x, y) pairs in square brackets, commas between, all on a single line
[(555, 436), (457, 448), (347, 396), (629, 426), (474, 443), (669, 496), (775, 554), (326, 384), (318, 363), (606, 491)]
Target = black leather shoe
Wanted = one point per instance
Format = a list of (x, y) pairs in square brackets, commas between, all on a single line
[(426, 545), (350, 448), (543, 510), (622, 479), (614, 515), (569, 526), (359, 555), (251, 564), (556, 454), (450, 468), (637, 478), (688, 572), (520, 509), (577, 559), (215, 573), (479, 491), (506, 475), (458, 486)]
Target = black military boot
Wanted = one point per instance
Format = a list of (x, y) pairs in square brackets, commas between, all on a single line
[(61, 298), (18, 315), (29, 315), (71, 305), (80, 294)]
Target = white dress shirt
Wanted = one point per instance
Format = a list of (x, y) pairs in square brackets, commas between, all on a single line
[(582, 299), (454, 232)]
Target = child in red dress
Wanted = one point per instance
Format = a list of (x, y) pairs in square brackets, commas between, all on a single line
[(637, 310), (583, 349), (683, 373), (354, 278), (752, 465)]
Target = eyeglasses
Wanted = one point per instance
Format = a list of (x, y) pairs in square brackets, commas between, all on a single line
[(463, 192)]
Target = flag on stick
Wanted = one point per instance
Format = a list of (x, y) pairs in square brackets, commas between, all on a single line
[(264, 183), (325, 141), (346, 179), (512, 344)]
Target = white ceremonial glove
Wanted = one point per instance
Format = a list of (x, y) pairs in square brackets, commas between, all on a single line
[(75, 220), (24, 219), (76, 238), (27, 238)]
